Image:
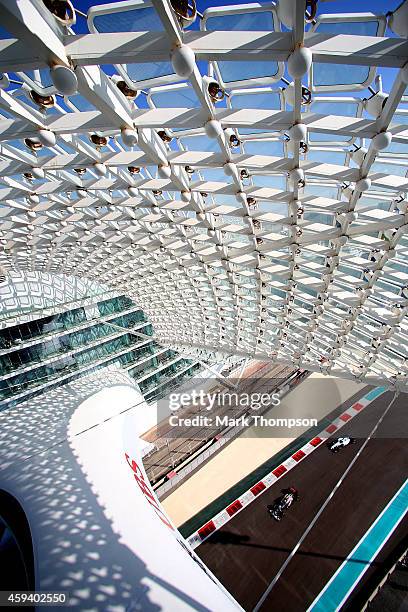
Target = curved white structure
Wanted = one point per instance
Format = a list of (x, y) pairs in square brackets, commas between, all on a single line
[(72, 459), (310, 270)]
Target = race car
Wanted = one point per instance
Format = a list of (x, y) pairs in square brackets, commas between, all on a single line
[(339, 443), (284, 502)]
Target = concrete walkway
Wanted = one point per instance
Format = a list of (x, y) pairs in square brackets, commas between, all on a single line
[(316, 397)]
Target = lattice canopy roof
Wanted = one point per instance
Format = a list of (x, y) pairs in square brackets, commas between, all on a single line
[(241, 173)]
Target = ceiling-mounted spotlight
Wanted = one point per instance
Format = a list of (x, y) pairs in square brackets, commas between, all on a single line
[(289, 94), (29, 176), (80, 171), (33, 144), (233, 139), (375, 104), (252, 203), (190, 171), (62, 10), (310, 11), (358, 155), (186, 12), (244, 174), (183, 61), (43, 102), (297, 177), (293, 146), (127, 91), (346, 190), (99, 141), (400, 204), (164, 136), (134, 170), (157, 192), (215, 92)]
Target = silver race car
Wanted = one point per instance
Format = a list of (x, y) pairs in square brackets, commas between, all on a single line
[(339, 443)]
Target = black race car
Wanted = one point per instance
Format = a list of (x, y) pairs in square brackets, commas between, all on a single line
[(277, 509), (339, 443)]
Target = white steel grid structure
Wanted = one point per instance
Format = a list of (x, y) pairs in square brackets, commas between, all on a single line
[(242, 216)]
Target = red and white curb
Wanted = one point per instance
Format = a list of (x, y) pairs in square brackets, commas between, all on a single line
[(249, 496)]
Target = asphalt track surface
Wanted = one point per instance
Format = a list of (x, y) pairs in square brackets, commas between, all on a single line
[(247, 552)]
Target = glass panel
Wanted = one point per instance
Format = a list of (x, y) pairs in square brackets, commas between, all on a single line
[(144, 72), (339, 74), (343, 109), (134, 20), (329, 191), (241, 71), (200, 143), (359, 28), (270, 99), (267, 100), (327, 157), (276, 182), (264, 147), (176, 98), (388, 169)]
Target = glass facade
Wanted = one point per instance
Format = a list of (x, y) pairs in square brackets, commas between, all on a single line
[(53, 350)]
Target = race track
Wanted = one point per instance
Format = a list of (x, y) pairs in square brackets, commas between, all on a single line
[(249, 550)]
